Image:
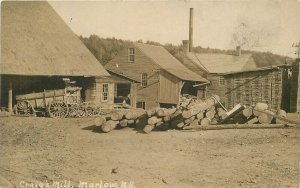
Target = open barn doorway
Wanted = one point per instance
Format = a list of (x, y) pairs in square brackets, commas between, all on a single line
[(122, 93), (189, 89)]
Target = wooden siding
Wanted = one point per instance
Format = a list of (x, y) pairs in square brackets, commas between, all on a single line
[(215, 88), (169, 88), (252, 87), (94, 88), (142, 64)]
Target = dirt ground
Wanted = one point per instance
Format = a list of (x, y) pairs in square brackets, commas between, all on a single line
[(45, 150)]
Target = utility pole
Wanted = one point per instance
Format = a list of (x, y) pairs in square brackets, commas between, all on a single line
[(297, 46)]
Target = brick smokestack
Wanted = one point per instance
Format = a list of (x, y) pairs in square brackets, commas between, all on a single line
[(191, 29)]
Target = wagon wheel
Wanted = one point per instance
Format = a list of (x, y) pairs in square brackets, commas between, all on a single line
[(58, 109), (80, 111), (73, 110), (89, 111), (24, 108), (97, 111)]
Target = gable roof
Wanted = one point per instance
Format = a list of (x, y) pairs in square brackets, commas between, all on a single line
[(222, 63), (169, 63), (36, 41)]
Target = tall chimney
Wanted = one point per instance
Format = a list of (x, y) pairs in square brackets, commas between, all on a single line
[(238, 51), (191, 29)]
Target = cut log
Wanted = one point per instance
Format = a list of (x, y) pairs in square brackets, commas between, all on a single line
[(200, 116), (220, 112), (99, 120), (242, 126), (109, 126), (176, 114), (189, 120), (153, 120), (194, 123), (165, 112), (180, 125), (210, 114), (117, 115), (148, 128), (200, 106), (252, 121), (205, 122), (151, 112), (130, 122), (134, 113), (123, 123), (259, 107), (248, 111), (282, 114), (265, 118), (166, 118)]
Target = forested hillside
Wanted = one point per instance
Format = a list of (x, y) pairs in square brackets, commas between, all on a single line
[(105, 49)]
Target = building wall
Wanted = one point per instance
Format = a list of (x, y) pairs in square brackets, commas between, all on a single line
[(142, 64), (169, 88), (251, 87), (295, 89), (215, 88), (93, 91)]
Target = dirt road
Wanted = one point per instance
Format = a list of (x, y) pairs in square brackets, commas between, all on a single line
[(45, 150)]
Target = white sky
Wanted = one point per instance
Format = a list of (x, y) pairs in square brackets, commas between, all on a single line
[(276, 22)]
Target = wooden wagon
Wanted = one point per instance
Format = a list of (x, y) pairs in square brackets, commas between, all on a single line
[(55, 103)]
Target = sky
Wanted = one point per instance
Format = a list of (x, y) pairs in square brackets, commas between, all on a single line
[(261, 25)]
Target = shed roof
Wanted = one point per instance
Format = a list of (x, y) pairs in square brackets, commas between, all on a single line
[(222, 63), (169, 63), (36, 41)]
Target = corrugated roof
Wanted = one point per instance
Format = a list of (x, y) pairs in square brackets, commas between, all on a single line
[(222, 63), (168, 62), (36, 41)]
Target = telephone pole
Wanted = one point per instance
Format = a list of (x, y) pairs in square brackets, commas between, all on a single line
[(297, 46)]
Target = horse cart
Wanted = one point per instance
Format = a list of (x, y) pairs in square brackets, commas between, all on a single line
[(55, 103)]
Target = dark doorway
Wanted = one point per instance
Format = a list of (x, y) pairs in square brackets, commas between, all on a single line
[(189, 89), (123, 93)]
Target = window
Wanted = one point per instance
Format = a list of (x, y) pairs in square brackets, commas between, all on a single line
[(144, 79), (131, 53), (141, 105), (104, 92), (221, 80)]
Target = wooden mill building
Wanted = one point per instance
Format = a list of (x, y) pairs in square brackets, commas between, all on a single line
[(162, 78), (38, 49), (240, 79)]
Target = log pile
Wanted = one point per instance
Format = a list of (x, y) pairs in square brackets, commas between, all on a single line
[(120, 119), (191, 114), (260, 113)]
